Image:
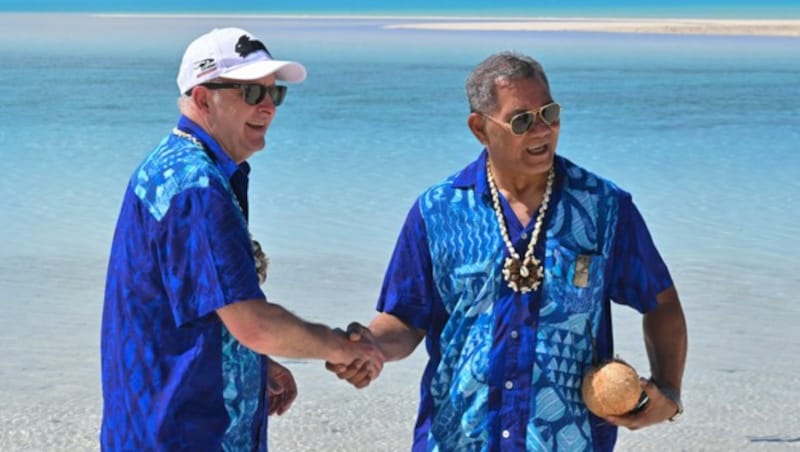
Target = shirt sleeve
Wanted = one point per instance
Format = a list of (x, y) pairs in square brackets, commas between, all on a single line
[(408, 290), (205, 254), (638, 273)]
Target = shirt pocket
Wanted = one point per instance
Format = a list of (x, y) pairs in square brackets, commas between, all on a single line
[(577, 279)]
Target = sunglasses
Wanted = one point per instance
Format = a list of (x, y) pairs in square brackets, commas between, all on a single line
[(253, 93), (522, 122)]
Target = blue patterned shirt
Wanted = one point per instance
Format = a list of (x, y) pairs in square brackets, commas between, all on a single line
[(505, 368), (174, 378)]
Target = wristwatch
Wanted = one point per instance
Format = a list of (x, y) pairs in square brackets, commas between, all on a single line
[(672, 395)]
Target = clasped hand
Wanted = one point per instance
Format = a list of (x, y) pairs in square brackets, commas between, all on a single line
[(368, 361)]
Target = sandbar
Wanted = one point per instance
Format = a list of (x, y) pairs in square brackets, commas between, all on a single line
[(765, 27)]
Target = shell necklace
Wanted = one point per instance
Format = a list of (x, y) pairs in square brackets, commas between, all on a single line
[(261, 260), (526, 274)]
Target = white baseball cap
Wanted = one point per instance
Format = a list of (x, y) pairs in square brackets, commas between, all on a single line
[(232, 53)]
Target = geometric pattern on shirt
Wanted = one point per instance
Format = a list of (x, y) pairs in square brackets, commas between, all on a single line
[(467, 257), (584, 221), (464, 249)]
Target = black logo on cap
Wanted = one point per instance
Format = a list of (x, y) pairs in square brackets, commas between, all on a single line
[(205, 65), (246, 46)]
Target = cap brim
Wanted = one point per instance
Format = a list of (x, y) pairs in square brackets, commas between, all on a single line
[(286, 71)]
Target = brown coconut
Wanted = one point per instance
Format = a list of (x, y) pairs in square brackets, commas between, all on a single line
[(611, 389)]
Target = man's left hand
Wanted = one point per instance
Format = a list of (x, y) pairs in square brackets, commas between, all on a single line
[(281, 388), (659, 408)]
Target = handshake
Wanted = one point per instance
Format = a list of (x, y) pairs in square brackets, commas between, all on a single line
[(361, 359)]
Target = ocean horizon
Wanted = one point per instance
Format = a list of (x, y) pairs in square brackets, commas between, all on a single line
[(701, 129)]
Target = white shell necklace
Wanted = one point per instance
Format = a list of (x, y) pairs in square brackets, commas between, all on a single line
[(261, 260), (522, 275)]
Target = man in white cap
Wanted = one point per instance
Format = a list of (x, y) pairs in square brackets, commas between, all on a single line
[(186, 328)]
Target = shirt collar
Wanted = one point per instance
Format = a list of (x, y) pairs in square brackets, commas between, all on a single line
[(224, 161), (474, 175)]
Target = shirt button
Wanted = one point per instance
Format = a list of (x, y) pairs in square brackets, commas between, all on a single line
[(524, 235), (514, 334), (509, 384), (506, 434)]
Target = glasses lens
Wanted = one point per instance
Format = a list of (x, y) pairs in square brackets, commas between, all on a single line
[(551, 113), (522, 122), (253, 93), (277, 93)]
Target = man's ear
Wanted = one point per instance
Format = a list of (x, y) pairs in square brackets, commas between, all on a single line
[(200, 97), (476, 124)]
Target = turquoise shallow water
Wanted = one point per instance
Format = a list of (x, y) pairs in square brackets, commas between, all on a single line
[(474, 8), (702, 130)]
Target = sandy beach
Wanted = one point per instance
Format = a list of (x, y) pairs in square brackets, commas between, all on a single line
[(657, 26)]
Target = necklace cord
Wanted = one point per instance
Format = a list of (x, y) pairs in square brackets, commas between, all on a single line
[(522, 274), (260, 258)]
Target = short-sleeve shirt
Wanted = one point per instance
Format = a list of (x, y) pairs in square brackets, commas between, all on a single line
[(173, 377), (505, 368)]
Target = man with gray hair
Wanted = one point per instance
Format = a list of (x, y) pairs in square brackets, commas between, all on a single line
[(507, 269), (186, 329)]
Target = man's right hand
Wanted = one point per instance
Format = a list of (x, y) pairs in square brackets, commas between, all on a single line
[(365, 367)]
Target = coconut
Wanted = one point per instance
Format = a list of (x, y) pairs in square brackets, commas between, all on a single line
[(611, 389)]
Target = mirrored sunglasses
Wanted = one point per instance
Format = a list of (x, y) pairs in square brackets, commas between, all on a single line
[(253, 93), (522, 122)]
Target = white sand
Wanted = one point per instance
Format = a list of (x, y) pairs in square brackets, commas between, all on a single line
[(740, 390), (659, 26)]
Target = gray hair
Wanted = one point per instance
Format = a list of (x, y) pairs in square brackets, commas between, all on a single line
[(502, 66), (184, 102)]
